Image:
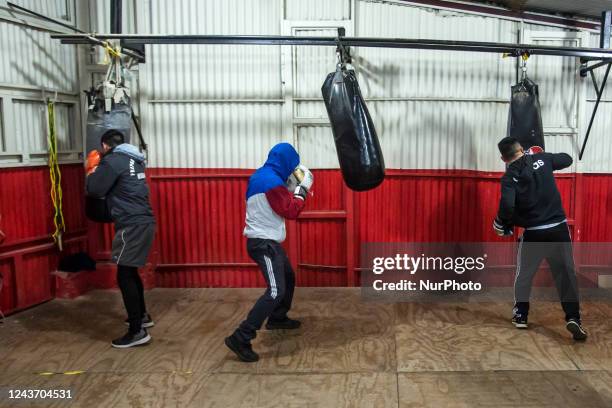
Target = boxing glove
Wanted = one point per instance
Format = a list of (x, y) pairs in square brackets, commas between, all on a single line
[(500, 229), (305, 177), (534, 150), (93, 160)]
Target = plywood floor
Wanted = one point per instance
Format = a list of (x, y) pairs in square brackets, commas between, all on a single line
[(348, 353)]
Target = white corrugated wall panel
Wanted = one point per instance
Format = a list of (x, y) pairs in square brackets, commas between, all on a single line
[(440, 134), (557, 84), (31, 126), (196, 93), (427, 73), (59, 9), (432, 109), (422, 135), (31, 58), (316, 147), (318, 9), (598, 154), (215, 135), (214, 71)]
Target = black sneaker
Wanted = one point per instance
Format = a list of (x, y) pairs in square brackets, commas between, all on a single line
[(519, 321), (131, 340), (146, 321), (243, 351), (287, 324), (574, 327)]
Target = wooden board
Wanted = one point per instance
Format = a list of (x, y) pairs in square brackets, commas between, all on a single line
[(474, 337), (348, 353), (218, 390), (506, 389)]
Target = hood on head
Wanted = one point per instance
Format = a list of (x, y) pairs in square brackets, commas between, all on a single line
[(283, 159), (522, 169), (130, 150)]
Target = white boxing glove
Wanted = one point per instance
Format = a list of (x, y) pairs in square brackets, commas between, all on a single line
[(306, 178)]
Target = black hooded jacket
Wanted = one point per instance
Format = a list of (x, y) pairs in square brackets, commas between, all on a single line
[(120, 177), (529, 195)]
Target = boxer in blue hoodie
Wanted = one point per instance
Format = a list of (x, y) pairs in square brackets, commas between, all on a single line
[(269, 203)]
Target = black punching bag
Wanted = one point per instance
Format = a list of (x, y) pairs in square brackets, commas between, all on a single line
[(357, 146), (110, 108), (525, 118)]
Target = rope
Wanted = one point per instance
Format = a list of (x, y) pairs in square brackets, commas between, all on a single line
[(110, 54), (56, 178)]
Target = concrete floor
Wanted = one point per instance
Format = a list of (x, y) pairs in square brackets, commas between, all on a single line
[(348, 353)]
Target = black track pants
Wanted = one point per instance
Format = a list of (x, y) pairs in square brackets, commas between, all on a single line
[(555, 245), (132, 292), (280, 278)]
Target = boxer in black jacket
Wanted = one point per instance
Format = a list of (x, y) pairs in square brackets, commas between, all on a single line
[(119, 176), (530, 199)]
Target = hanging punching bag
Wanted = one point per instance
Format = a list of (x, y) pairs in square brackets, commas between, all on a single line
[(110, 108), (525, 117), (357, 146)]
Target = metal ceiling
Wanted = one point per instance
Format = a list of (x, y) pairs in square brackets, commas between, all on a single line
[(583, 8)]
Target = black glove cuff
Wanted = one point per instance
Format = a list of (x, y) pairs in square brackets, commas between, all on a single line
[(301, 192)]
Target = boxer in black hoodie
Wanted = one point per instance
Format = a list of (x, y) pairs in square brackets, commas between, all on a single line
[(530, 199), (119, 176)]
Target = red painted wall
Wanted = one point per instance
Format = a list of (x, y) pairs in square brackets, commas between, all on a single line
[(200, 215), (27, 254)]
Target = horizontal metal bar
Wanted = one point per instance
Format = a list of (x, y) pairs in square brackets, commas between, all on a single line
[(217, 100), (327, 267), (206, 265), (417, 99), (323, 214), (39, 244), (198, 176), (470, 46)]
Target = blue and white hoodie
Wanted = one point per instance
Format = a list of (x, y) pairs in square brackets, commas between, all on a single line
[(269, 201)]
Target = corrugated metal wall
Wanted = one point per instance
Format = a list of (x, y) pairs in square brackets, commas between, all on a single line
[(210, 114), (34, 67), (211, 111), (212, 106), (31, 58), (426, 104), (58, 9)]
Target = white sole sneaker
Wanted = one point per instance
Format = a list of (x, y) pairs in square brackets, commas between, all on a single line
[(144, 325), (139, 342), (577, 332), (520, 325)]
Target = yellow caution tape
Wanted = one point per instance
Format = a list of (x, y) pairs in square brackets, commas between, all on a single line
[(73, 372)]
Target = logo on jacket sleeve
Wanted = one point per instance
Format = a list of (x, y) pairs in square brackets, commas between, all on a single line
[(132, 169)]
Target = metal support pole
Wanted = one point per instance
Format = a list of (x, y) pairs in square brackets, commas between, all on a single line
[(606, 29), (600, 92), (115, 16)]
